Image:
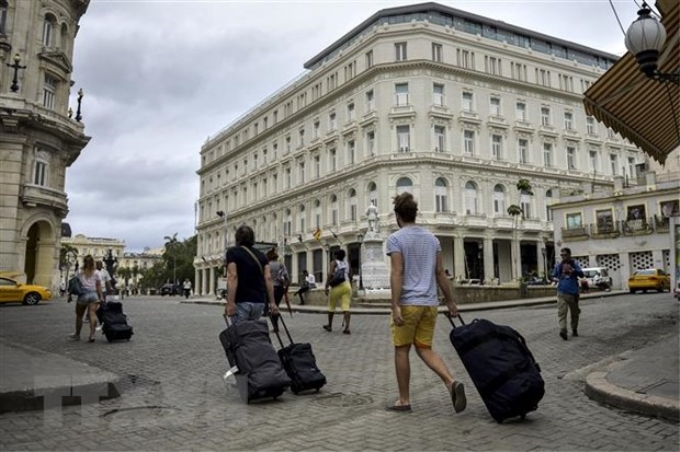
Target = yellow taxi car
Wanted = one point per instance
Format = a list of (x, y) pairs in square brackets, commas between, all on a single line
[(12, 291), (649, 279)]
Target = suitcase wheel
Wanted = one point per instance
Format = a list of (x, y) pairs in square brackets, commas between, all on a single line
[(523, 416)]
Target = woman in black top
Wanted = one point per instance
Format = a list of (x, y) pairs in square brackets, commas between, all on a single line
[(249, 280)]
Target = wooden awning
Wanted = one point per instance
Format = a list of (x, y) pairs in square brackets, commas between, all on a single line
[(645, 111)]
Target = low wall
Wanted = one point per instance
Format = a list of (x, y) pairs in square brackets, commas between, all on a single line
[(461, 294)]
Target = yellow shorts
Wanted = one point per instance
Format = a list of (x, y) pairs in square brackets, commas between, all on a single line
[(343, 293), (418, 327)]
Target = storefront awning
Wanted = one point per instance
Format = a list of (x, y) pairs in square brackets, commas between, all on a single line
[(643, 110)]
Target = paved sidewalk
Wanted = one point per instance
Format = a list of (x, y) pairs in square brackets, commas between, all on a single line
[(32, 379), (645, 380)]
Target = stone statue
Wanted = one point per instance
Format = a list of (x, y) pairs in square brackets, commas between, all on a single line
[(373, 219), (111, 263)]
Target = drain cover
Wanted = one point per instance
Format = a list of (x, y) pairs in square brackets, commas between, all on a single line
[(141, 412), (343, 400)]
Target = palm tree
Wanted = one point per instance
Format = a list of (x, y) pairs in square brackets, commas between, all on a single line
[(171, 245)]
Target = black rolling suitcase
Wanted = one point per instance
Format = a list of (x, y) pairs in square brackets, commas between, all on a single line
[(501, 366), (248, 347), (114, 321), (300, 364)]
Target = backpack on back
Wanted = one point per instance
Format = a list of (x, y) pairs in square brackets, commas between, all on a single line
[(338, 276)]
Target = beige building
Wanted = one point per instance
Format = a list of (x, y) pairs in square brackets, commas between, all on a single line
[(624, 229), (39, 138), (453, 107)]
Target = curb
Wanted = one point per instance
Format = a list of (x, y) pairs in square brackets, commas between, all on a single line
[(58, 396), (382, 310), (600, 389)]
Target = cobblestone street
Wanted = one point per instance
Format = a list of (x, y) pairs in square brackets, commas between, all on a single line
[(173, 396)]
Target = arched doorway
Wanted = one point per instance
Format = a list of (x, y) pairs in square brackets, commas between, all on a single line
[(40, 256)]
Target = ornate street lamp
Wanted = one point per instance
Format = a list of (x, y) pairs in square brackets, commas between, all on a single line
[(645, 39), (80, 100), (360, 236), (16, 66)]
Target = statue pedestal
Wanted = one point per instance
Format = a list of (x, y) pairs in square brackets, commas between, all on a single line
[(374, 272)]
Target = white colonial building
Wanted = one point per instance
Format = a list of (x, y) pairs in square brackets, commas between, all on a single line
[(453, 107), (39, 136)]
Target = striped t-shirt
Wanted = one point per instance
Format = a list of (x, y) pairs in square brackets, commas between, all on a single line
[(419, 248)]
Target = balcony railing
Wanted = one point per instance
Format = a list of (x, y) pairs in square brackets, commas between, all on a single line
[(613, 229)]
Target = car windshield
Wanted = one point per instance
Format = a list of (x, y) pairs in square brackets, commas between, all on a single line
[(650, 272)]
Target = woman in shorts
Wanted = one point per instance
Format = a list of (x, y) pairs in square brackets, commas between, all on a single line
[(90, 298)]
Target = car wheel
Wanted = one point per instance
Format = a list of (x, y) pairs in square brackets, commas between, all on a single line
[(32, 298), (632, 290)]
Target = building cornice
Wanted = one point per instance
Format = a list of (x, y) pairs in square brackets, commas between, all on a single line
[(435, 7)]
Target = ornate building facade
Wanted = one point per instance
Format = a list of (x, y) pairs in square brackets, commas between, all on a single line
[(39, 138), (453, 107)]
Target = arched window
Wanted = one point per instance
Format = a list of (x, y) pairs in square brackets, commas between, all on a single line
[(49, 25), (404, 184), (353, 205), (317, 213), (334, 210), (302, 218), (548, 202), (441, 202), (63, 38), (372, 194), (471, 198), (525, 203), (499, 200)]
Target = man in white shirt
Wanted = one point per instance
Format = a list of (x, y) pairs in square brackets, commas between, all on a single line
[(105, 277)]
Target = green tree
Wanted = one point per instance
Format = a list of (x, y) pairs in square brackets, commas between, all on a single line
[(179, 258)]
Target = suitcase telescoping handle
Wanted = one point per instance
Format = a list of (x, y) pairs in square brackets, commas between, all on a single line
[(278, 336), (448, 316)]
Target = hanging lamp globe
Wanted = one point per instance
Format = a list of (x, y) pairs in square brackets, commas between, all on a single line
[(645, 39)]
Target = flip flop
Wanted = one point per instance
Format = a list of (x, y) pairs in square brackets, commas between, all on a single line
[(458, 396), (327, 328), (399, 408)]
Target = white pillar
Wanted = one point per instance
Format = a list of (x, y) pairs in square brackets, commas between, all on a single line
[(458, 257), (488, 259)]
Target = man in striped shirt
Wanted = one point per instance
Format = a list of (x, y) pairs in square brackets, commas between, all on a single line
[(416, 269)]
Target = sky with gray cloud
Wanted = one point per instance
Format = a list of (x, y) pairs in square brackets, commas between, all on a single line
[(162, 76)]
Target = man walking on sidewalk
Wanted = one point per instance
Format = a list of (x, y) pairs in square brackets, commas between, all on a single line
[(566, 273), (416, 269)]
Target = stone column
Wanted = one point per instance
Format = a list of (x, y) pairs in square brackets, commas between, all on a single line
[(458, 257), (211, 280), (204, 281), (197, 281), (488, 259), (542, 268), (516, 259)]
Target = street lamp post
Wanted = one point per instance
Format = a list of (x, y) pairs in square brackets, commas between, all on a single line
[(80, 100), (16, 66), (360, 236)]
